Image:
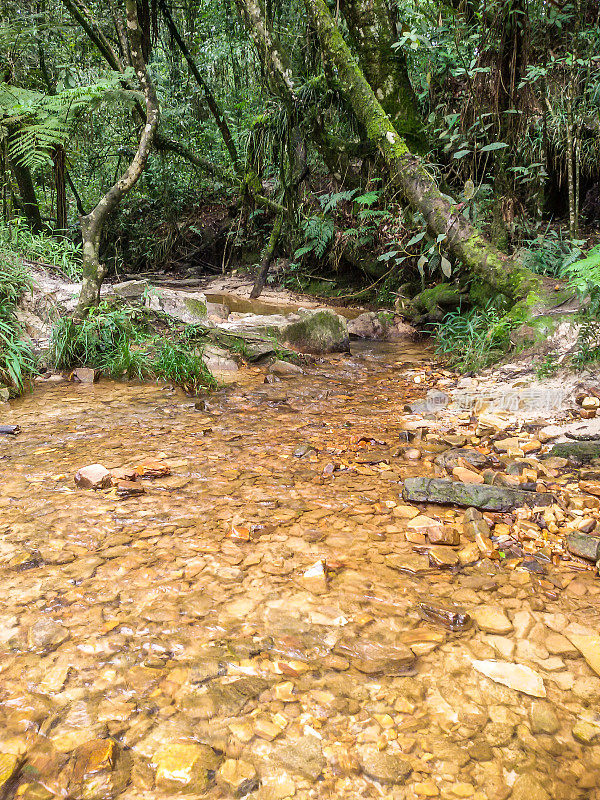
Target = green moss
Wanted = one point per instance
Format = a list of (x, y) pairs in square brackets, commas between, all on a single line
[(443, 294), (196, 307), (323, 332)]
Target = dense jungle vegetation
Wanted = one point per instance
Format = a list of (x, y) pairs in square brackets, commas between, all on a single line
[(442, 157)]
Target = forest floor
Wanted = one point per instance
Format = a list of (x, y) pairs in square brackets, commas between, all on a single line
[(270, 617)]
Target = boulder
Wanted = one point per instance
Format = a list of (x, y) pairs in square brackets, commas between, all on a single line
[(579, 452), (319, 332), (285, 369), (488, 498), (367, 326), (218, 360), (584, 546), (131, 290), (303, 757), (188, 307)]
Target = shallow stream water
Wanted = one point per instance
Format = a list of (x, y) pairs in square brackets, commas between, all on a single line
[(172, 644)]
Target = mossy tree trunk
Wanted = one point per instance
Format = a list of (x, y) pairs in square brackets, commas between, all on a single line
[(410, 173), (92, 225), (374, 32)]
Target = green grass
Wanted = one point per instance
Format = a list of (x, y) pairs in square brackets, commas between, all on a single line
[(16, 238), (469, 341), (17, 362), (117, 341)]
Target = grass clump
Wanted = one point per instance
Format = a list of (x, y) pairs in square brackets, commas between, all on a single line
[(117, 341), (469, 341), (17, 362)]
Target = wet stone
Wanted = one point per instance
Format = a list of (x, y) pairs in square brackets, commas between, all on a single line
[(492, 620), (543, 718), (185, 768), (47, 634), (386, 768), (304, 757), (94, 476), (238, 777), (527, 787)]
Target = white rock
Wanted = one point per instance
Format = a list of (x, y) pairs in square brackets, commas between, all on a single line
[(515, 676)]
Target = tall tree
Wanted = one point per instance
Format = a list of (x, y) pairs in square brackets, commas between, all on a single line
[(92, 225)]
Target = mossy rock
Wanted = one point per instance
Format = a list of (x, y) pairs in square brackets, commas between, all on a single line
[(321, 332), (443, 295)]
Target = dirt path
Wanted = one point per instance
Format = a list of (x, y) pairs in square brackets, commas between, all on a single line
[(173, 642)]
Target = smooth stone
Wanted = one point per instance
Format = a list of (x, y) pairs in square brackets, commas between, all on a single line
[(184, 767), (492, 620), (385, 767), (94, 476)]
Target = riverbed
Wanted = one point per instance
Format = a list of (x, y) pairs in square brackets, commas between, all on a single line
[(253, 624)]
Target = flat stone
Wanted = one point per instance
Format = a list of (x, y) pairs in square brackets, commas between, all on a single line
[(527, 787), (85, 375), (385, 767), (285, 369), (586, 732), (589, 647), (304, 757), (515, 676), (492, 620), (442, 557), (94, 476), (489, 498), (373, 657), (584, 546)]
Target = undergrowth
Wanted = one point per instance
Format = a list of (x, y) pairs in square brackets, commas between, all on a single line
[(17, 362), (469, 341), (119, 343), (17, 239)]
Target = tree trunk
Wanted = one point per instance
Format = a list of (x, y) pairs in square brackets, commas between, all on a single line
[(373, 32), (92, 225), (410, 174), (261, 279), (61, 191), (29, 203)]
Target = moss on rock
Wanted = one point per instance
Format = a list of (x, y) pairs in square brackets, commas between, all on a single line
[(321, 332)]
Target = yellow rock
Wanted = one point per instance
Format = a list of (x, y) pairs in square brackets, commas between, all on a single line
[(426, 789), (463, 790), (184, 767), (589, 647), (8, 766)]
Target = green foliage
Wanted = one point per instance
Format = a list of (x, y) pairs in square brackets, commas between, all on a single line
[(550, 254), (17, 238), (17, 363), (117, 342), (472, 340), (34, 124), (584, 274)]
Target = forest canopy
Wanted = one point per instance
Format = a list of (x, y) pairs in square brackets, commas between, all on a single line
[(365, 143)]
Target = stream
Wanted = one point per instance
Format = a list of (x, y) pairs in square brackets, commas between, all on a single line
[(257, 622)]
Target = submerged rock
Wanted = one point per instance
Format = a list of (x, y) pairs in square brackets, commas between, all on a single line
[(385, 767), (305, 757), (515, 676), (185, 767), (489, 498)]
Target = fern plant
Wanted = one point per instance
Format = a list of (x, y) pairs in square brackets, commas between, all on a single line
[(34, 124), (584, 275)]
